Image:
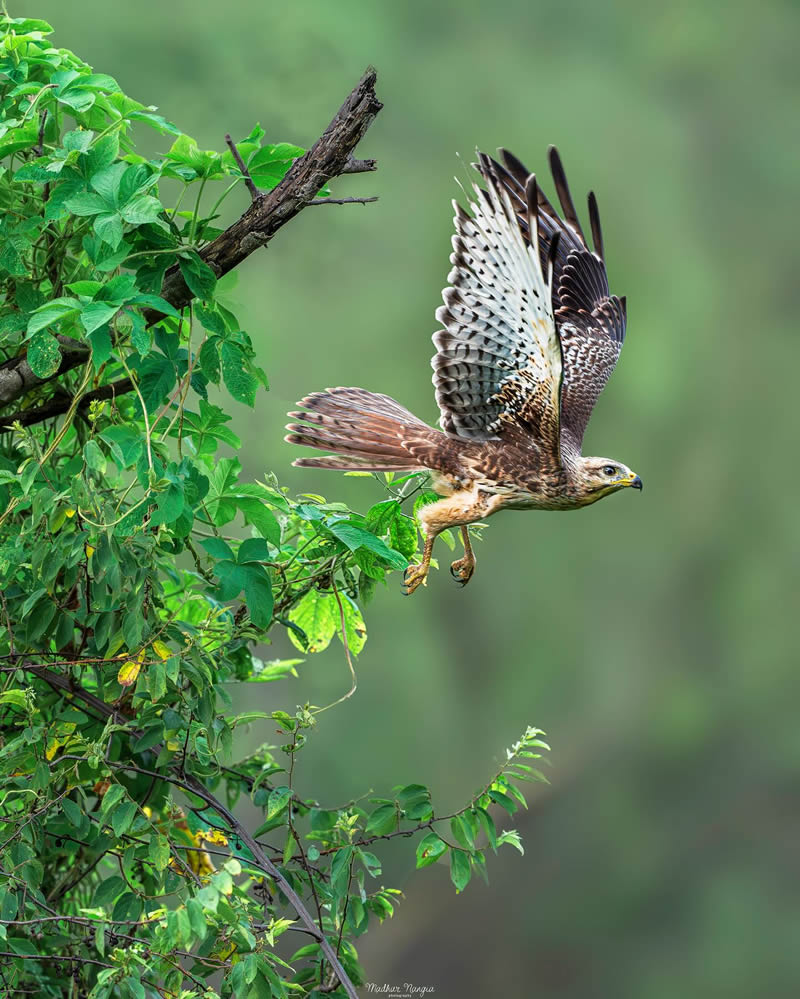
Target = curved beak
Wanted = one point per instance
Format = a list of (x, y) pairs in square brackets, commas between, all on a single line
[(636, 482)]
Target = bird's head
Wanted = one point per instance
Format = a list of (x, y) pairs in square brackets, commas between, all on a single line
[(598, 477)]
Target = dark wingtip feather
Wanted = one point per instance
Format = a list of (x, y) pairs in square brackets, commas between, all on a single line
[(597, 232), (532, 198), (562, 189), (552, 252), (513, 165)]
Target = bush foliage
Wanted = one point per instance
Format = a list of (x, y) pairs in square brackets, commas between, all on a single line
[(139, 573)]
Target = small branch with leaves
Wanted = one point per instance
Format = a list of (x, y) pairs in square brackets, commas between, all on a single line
[(329, 157)]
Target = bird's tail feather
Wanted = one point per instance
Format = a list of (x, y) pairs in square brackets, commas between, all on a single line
[(364, 429)]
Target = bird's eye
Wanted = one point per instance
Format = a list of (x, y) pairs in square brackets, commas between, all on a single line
[(609, 470)]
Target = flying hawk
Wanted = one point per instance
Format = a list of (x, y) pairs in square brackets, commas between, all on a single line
[(530, 334)]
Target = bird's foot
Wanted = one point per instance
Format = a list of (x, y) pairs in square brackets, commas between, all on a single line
[(414, 576), (462, 569)]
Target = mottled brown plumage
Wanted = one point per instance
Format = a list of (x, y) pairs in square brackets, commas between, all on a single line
[(530, 334)]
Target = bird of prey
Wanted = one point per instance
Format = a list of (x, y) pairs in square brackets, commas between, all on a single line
[(529, 336)]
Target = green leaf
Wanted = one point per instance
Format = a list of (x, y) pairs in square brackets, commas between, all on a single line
[(86, 204), (411, 797), (217, 548), (96, 314), (269, 165), (107, 181), (208, 359), (52, 313), (108, 227), (141, 209), (93, 456), (489, 827), (156, 302), (462, 832), (237, 373), (122, 817), (112, 797), (340, 870), (127, 908), (429, 849), (380, 516), (104, 151), (41, 776), (9, 906), (354, 627), (511, 836), (504, 801), (44, 355), (460, 870), (383, 820), (356, 537), (100, 339), (199, 277), (261, 517), (232, 579), (134, 987), (258, 596), (125, 443), (73, 812), (316, 616), (403, 535), (278, 800), (252, 550), (87, 288), (108, 890)]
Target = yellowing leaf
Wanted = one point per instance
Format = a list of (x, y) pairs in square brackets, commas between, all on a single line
[(317, 616), (161, 650), (54, 744), (128, 673), (70, 512), (89, 550), (211, 836)]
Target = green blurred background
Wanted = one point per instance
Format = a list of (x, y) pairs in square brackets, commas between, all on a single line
[(653, 636)]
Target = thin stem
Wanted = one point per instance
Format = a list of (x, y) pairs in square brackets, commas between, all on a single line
[(342, 201), (255, 194)]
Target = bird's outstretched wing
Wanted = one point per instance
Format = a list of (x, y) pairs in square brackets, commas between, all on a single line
[(590, 320), (498, 369)]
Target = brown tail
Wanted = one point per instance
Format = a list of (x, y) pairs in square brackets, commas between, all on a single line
[(365, 430)]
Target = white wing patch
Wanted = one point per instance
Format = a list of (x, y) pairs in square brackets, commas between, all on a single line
[(499, 355)]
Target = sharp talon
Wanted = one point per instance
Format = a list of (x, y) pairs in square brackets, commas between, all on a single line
[(462, 569), (414, 576)]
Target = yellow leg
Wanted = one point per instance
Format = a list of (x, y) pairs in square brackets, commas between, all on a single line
[(457, 510), (418, 574), (462, 569)]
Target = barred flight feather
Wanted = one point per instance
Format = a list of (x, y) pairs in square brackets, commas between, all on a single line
[(499, 347)]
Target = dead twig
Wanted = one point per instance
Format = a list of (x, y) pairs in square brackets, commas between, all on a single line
[(255, 194), (342, 201)]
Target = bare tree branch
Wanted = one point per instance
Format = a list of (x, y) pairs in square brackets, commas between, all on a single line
[(255, 194), (61, 402), (17, 378), (342, 201), (330, 156), (325, 160)]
